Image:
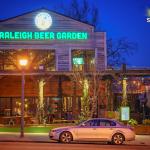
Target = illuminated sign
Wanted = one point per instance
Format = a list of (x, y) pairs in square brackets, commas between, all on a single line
[(78, 61), (43, 21), (148, 15), (56, 98), (43, 35), (125, 113)]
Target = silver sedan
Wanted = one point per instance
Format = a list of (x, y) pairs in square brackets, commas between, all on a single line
[(98, 129)]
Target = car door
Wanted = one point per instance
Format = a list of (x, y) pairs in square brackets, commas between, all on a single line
[(87, 131), (105, 129)]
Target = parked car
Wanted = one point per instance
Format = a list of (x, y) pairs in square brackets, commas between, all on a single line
[(98, 129)]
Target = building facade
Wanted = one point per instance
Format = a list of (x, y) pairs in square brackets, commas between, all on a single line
[(61, 52), (56, 46)]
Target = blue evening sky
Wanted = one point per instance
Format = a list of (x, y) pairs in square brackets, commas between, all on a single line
[(119, 18)]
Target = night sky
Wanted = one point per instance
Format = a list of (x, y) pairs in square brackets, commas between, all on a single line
[(119, 18)]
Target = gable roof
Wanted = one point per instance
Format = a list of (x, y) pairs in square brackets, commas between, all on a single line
[(45, 9)]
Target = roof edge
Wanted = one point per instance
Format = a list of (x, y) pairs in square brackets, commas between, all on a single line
[(44, 8)]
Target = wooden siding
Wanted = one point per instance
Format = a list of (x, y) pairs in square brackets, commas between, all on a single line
[(100, 63), (11, 86), (96, 40), (62, 59), (60, 23)]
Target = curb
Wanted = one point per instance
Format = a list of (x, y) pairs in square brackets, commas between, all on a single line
[(43, 138), (18, 133), (26, 141)]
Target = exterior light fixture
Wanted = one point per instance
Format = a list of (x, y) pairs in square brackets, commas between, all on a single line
[(23, 63)]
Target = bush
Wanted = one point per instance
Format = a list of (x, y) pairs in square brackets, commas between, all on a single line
[(146, 122), (132, 122)]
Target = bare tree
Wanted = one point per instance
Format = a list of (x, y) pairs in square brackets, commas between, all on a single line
[(90, 83), (87, 13), (116, 50), (9, 59), (82, 11), (81, 80)]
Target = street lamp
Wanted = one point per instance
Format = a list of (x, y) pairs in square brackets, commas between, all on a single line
[(23, 63)]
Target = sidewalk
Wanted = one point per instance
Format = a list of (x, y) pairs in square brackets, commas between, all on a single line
[(43, 138), (28, 137)]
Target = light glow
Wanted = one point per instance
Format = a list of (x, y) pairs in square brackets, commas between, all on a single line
[(125, 113), (43, 21), (23, 62), (148, 12), (78, 61), (148, 15), (24, 35)]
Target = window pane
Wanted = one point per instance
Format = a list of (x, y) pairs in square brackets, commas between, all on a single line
[(42, 59), (105, 123), (38, 59), (112, 123), (83, 60)]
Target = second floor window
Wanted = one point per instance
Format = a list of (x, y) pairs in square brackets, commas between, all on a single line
[(42, 60), (38, 59), (83, 60)]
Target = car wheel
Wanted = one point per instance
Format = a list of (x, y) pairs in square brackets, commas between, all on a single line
[(66, 137), (118, 139)]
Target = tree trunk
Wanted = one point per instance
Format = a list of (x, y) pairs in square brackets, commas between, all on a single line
[(41, 101), (85, 111)]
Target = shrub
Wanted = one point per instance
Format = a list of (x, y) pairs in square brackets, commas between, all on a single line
[(132, 122)]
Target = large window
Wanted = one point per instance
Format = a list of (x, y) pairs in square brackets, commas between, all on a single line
[(83, 60), (38, 59), (42, 60), (8, 59)]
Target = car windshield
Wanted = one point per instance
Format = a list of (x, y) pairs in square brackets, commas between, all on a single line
[(120, 123)]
